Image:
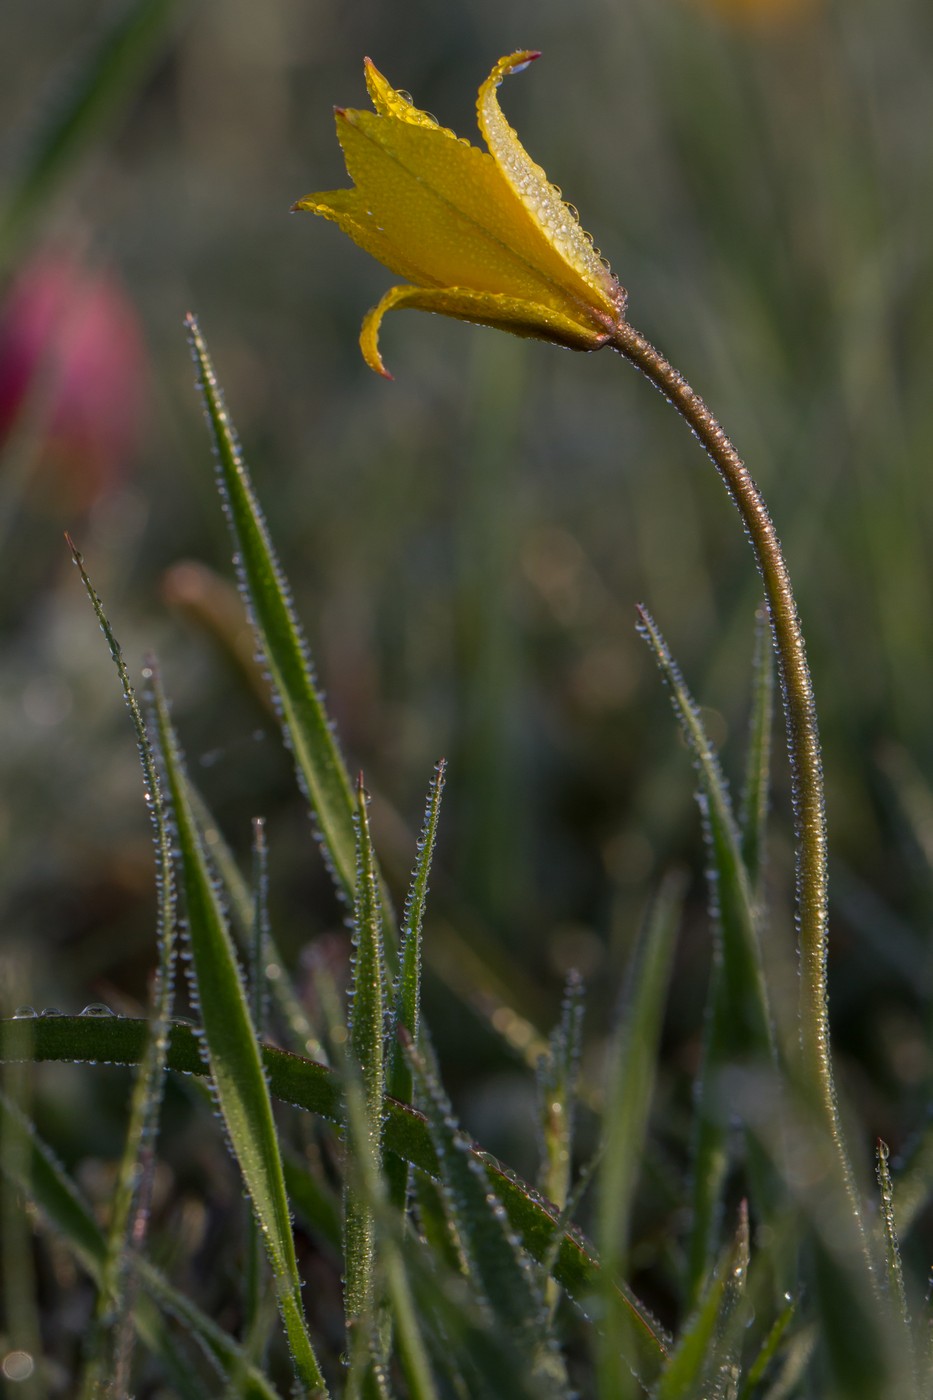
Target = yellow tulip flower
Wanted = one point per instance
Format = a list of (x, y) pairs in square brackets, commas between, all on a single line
[(481, 237)]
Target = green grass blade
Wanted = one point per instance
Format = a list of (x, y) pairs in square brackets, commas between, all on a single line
[(321, 770), (406, 1009), (241, 904), (370, 1332), (738, 1017), (896, 1288), (490, 1253), (133, 1188), (316, 1088), (407, 991), (628, 1099), (558, 1073), (697, 1364), (85, 101), (44, 1182), (255, 1302), (367, 1038), (734, 907), (235, 1060), (756, 791)]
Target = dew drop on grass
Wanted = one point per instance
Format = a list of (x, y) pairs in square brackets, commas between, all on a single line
[(24, 1013), (97, 1008), (50, 1011)]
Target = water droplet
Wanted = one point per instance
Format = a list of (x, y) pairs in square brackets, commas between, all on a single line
[(17, 1366), (97, 1008), (50, 1011), (23, 1013)]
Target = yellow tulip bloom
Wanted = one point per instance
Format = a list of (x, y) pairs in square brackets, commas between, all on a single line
[(481, 237)]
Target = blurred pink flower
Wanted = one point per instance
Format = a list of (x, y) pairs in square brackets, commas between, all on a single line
[(72, 352)]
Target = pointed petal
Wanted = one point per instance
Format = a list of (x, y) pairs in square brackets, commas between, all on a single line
[(521, 317), (539, 197), (389, 103), (348, 211)]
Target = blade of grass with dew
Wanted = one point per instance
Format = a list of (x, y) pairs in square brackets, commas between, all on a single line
[(367, 1043), (44, 1182), (558, 1073), (133, 1190), (86, 98), (235, 1059), (19, 1292), (364, 1162), (255, 1300), (470, 1354), (688, 1373), (768, 1351), (407, 991), (738, 1023), (490, 1254), (753, 811), (240, 901), (733, 905), (896, 1288), (315, 1088), (308, 731), (630, 1083)]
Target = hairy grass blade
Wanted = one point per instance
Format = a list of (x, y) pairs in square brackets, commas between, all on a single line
[(133, 1189), (628, 1097), (315, 1088), (321, 770), (367, 1039), (44, 1182), (234, 1058), (753, 813), (738, 1018)]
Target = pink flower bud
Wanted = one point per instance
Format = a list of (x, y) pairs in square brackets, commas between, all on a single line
[(73, 370)]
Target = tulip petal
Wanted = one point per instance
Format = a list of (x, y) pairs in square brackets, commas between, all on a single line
[(389, 103), (543, 201), (521, 317), (348, 211), (446, 204)]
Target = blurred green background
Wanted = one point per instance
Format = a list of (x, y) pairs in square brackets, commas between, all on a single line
[(467, 544)]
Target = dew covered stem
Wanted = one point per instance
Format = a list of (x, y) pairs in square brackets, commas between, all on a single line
[(803, 743)]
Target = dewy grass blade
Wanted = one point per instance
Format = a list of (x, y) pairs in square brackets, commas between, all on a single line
[(738, 1022), (129, 1217), (240, 902), (406, 1010), (628, 1099), (896, 1290), (490, 1252), (44, 1182), (364, 1163), (367, 1036), (235, 1059), (315, 1088), (753, 813), (744, 984), (687, 1374), (86, 98), (321, 770)]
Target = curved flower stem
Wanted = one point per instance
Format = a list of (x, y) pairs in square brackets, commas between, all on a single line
[(803, 741)]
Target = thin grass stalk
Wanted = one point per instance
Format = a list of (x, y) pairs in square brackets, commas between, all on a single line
[(803, 743), (133, 1193)]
